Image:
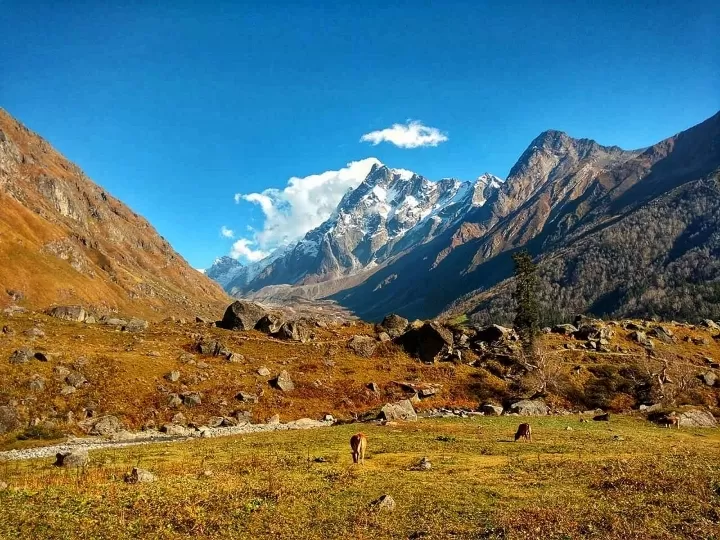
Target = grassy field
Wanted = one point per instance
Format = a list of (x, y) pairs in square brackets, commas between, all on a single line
[(622, 479)]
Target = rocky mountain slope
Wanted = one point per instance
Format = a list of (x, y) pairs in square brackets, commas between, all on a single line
[(390, 212), (63, 239)]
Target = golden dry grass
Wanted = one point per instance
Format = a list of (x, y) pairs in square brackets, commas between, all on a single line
[(622, 480)]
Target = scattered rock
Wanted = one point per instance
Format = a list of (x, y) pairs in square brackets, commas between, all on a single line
[(422, 465), (283, 382), (36, 384), (696, 418), (373, 387), (42, 356), (76, 379), (22, 356), (179, 419), (383, 503), (210, 347), (242, 315), (662, 334), (191, 399), (102, 426), (394, 325), (564, 329), (34, 332), (529, 407), (383, 337), (139, 476), (642, 339), (9, 419), (492, 333), (263, 372), (491, 410), (135, 325), (66, 390), (605, 417), (235, 358), (68, 313), (15, 295), (402, 410), (707, 323), (176, 430), (174, 401), (274, 419), (173, 376), (270, 323), (247, 397), (293, 331), (430, 343), (72, 459), (708, 378), (363, 345)]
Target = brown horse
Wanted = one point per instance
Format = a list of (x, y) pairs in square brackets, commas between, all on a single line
[(358, 444), (524, 431)]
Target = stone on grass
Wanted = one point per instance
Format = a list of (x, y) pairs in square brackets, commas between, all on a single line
[(72, 459), (529, 407), (383, 503), (22, 356), (283, 382), (401, 410), (139, 476), (696, 418), (173, 376), (363, 345)]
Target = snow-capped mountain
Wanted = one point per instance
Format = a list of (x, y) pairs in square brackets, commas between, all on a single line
[(391, 211), (224, 270)]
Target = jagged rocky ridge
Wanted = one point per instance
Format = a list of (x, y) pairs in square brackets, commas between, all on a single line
[(616, 232)]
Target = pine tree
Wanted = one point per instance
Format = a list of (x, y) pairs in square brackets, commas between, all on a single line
[(527, 315)]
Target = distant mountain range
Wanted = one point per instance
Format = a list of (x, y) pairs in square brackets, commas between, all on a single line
[(65, 240), (616, 232)]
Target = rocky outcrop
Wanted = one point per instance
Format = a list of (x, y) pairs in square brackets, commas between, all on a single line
[(270, 323), (430, 343), (394, 325), (68, 313), (72, 459), (364, 346), (529, 407), (283, 382), (293, 331), (242, 315), (402, 410), (697, 418)]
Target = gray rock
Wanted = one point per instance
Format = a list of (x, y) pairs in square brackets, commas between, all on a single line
[(430, 343), (274, 419), (210, 347), (263, 372), (394, 325), (179, 419), (293, 331), (14, 294), (708, 378), (385, 503), (707, 323), (642, 339), (75, 379), (402, 410), (373, 387), (68, 313), (22, 356), (491, 410), (422, 465), (34, 332), (492, 333), (66, 390), (242, 315), (529, 407), (363, 345), (103, 426), (9, 419), (696, 418), (269, 323), (173, 376), (174, 401), (564, 329), (191, 399), (283, 382), (114, 321), (235, 358), (661, 334), (247, 397), (36, 384), (383, 337), (176, 430), (139, 476), (72, 459), (42, 356), (136, 325)]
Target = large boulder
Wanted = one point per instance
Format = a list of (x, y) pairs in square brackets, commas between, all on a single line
[(9, 419), (293, 331), (242, 315), (641, 338), (283, 382), (529, 407), (68, 313), (22, 356), (564, 329), (394, 325), (662, 334), (490, 409), (492, 333), (430, 343), (708, 378), (696, 418), (72, 459), (363, 345), (210, 347), (270, 323), (593, 331), (402, 410), (103, 426), (708, 323), (136, 325), (139, 476)]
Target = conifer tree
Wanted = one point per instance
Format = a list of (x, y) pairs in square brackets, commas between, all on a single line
[(527, 314)]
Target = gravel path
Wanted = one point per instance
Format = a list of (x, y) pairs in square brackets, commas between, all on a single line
[(153, 437)]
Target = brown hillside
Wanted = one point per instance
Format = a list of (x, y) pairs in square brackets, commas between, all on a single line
[(63, 239)]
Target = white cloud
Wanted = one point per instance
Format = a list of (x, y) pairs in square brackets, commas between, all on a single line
[(238, 198), (242, 249), (227, 233), (301, 206), (411, 135)]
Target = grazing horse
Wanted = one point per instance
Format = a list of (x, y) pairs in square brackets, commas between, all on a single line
[(670, 421), (358, 444), (524, 431)]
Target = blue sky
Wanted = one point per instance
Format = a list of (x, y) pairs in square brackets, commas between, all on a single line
[(177, 107)]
